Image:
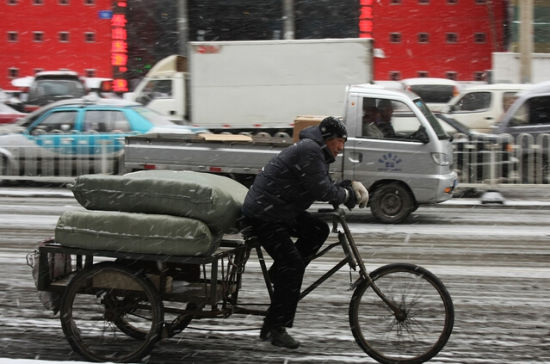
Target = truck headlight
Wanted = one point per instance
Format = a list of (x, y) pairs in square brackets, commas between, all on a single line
[(441, 158)]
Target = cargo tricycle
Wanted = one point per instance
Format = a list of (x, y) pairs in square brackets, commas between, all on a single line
[(114, 306)]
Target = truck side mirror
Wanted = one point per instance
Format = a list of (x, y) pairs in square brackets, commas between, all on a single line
[(420, 135)]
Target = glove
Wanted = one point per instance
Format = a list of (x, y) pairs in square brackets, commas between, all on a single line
[(361, 193), (351, 196)]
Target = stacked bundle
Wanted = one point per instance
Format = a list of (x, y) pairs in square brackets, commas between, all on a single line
[(152, 212)]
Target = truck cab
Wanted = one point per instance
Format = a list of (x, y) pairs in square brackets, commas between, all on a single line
[(165, 88), (398, 150)]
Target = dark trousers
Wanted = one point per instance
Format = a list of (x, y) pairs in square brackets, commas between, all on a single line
[(289, 261)]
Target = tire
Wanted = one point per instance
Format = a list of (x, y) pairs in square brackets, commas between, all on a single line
[(391, 203), (111, 314), (414, 338)]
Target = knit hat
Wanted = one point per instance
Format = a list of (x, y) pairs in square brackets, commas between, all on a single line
[(331, 128)]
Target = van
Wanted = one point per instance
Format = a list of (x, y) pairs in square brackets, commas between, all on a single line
[(528, 121), (529, 114), (479, 107), (50, 86), (435, 92)]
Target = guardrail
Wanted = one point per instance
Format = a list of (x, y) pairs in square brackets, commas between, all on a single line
[(503, 160), (477, 160), (58, 162)]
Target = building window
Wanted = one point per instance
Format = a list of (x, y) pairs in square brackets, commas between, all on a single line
[(479, 37), (38, 2), (422, 73), (451, 75), (11, 2), (423, 37), (64, 2), (36, 70), (89, 2), (89, 37), (64, 37), (451, 37), (13, 72), (395, 37), (480, 2), (13, 36), (479, 76), (38, 36), (395, 75), (89, 72), (452, 2)]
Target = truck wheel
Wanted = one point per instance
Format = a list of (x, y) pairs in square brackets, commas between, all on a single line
[(391, 203)]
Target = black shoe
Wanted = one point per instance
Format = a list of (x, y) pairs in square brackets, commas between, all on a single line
[(279, 337)]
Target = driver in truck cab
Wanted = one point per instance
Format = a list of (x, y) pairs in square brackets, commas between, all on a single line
[(275, 209), (377, 119)]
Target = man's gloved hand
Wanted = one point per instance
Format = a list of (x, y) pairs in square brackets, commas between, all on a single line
[(351, 196), (361, 193)]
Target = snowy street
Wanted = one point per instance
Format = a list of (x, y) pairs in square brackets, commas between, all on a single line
[(494, 261)]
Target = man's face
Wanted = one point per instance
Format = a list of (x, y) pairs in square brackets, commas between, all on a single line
[(386, 113), (335, 145)]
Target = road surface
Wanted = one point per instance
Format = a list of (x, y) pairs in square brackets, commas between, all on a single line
[(495, 262)]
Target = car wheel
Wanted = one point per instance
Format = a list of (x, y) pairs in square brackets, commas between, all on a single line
[(391, 203)]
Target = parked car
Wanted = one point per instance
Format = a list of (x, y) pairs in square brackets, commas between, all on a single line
[(50, 86), (78, 136), (8, 114), (528, 121), (480, 106), (435, 92), (479, 157)]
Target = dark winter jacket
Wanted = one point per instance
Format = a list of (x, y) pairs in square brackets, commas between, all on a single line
[(293, 180)]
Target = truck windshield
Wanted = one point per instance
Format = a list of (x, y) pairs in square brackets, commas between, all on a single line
[(431, 119)]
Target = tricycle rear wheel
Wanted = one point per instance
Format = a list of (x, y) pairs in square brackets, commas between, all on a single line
[(111, 313)]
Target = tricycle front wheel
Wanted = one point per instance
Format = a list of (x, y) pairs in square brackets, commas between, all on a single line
[(422, 324), (111, 313)]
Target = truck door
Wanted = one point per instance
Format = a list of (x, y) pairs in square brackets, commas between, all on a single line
[(390, 155)]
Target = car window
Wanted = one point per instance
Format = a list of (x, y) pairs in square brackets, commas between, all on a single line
[(155, 89), (43, 88), (56, 122), (105, 121), (436, 126), (388, 119), (539, 110), (521, 116), (474, 101)]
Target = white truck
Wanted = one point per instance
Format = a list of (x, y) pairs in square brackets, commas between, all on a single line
[(255, 86), (410, 168)]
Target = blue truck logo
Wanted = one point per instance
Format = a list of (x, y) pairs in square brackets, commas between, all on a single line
[(389, 162)]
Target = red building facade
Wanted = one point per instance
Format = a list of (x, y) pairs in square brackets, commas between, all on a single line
[(433, 38), (47, 35)]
